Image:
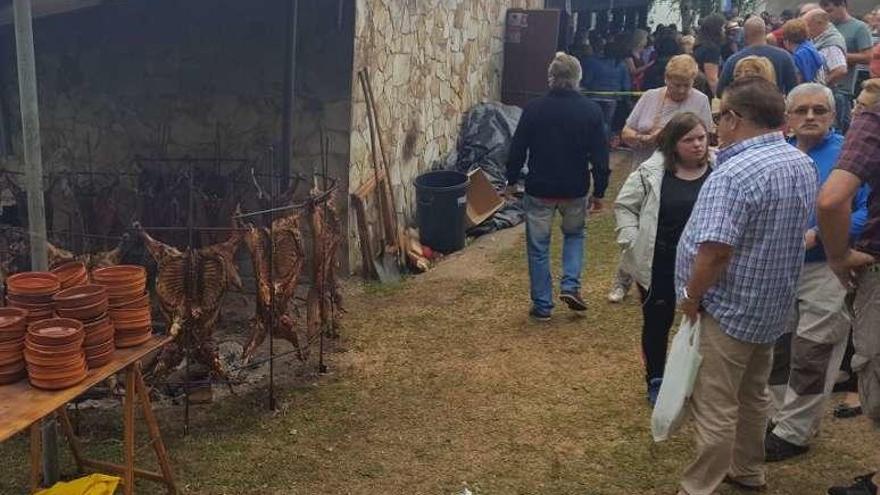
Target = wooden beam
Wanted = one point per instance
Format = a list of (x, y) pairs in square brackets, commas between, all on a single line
[(30, 125), (128, 433), (33, 163), (153, 428), (289, 96), (36, 457)]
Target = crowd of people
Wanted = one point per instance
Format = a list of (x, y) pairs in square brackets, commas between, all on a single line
[(758, 220)]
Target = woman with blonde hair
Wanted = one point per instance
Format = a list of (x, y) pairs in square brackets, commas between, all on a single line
[(755, 66), (652, 112), (868, 97), (687, 44)]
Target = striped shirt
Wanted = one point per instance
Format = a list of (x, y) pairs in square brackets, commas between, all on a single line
[(758, 200)]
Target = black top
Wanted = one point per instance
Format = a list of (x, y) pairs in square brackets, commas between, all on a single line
[(655, 75), (677, 198), (563, 133), (707, 53), (728, 49), (783, 64)]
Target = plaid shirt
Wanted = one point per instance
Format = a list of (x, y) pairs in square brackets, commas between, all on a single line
[(861, 157), (758, 200)]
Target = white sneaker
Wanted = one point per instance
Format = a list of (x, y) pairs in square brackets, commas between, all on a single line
[(616, 295)]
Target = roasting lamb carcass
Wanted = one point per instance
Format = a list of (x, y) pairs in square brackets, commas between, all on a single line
[(190, 286), (275, 289), (324, 301), (58, 256)]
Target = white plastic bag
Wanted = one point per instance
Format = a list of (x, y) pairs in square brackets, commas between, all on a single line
[(678, 380)]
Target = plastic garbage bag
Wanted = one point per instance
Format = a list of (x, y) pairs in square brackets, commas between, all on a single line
[(678, 380), (484, 142), (95, 484)]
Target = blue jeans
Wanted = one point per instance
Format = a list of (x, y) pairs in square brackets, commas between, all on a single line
[(539, 220), (609, 108)]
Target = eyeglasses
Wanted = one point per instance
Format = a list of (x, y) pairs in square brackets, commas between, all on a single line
[(818, 111), (728, 111)]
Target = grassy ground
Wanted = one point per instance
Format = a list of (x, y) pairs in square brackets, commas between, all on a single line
[(442, 381)]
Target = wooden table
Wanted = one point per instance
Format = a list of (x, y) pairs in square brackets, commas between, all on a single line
[(22, 407)]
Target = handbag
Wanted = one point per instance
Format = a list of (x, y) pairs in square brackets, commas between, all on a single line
[(679, 376)]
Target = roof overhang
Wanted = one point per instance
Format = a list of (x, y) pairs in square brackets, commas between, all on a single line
[(581, 5), (42, 8)]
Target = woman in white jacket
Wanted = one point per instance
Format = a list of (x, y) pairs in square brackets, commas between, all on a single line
[(651, 210)]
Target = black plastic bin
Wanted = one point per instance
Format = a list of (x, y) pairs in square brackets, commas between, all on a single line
[(441, 198)]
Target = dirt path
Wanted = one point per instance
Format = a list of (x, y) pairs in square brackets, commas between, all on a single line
[(443, 381)]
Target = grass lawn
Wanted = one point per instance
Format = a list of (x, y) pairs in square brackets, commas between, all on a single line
[(442, 381)]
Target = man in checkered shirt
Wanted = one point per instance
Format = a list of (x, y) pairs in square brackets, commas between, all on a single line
[(738, 265)]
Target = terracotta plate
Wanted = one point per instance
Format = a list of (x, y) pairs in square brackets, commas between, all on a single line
[(119, 273), (83, 295), (58, 384), (33, 283)]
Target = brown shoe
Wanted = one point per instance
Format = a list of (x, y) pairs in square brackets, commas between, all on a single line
[(744, 487)]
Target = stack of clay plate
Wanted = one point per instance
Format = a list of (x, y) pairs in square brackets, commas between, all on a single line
[(129, 302), (13, 326), (33, 291), (88, 304), (54, 354), (71, 274)]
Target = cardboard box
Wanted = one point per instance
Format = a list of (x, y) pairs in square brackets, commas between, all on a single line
[(482, 198)]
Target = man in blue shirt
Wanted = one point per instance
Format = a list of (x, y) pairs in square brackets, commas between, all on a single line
[(738, 264), (756, 45), (821, 321)]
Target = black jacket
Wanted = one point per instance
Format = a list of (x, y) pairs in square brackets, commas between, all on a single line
[(563, 133)]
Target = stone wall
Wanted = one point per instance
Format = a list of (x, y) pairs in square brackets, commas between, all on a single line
[(430, 60)]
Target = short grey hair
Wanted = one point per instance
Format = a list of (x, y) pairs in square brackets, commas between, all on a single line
[(564, 72), (809, 89)]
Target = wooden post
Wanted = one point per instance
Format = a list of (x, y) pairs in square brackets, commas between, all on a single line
[(289, 97), (36, 456), (30, 124), (153, 428), (72, 440), (33, 162), (128, 432)]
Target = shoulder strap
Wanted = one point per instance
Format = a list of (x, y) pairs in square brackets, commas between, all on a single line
[(659, 113)]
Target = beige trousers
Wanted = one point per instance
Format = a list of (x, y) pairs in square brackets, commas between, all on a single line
[(866, 340), (729, 405)]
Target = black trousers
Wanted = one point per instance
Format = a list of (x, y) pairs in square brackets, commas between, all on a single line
[(658, 314)]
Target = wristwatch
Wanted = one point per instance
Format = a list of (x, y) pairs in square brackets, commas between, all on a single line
[(685, 296)]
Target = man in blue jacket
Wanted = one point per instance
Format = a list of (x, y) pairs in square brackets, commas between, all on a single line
[(755, 32), (561, 133), (821, 322)]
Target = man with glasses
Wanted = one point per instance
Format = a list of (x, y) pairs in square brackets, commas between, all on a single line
[(805, 376), (738, 263), (857, 267)]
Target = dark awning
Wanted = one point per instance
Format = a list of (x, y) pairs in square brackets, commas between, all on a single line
[(581, 5), (46, 7)]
